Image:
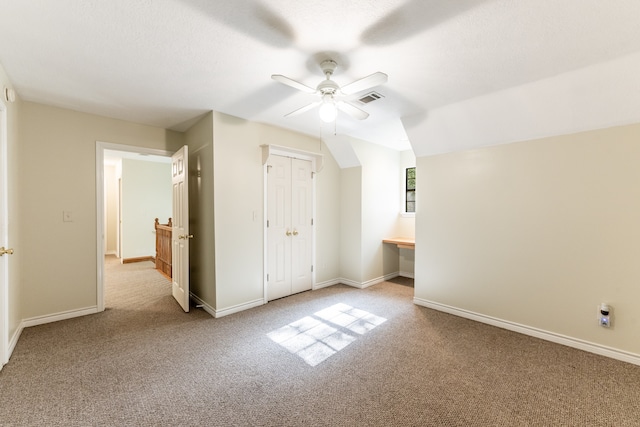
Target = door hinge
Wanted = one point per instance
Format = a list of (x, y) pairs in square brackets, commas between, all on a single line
[(267, 277), (269, 168), (267, 223), (313, 175), (312, 268), (311, 221)]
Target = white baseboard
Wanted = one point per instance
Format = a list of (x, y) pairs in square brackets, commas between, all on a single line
[(352, 283), (326, 284), (534, 332), (64, 315), (14, 339), (362, 285), (408, 274), (226, 311), (203, 305), (240, 307)]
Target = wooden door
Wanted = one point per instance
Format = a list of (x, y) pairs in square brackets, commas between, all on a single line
[(289, 226), (180, 232)]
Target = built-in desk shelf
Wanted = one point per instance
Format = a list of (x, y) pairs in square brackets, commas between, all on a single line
[(402, 242)]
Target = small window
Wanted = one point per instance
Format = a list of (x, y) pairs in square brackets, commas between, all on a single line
[(410, 186)]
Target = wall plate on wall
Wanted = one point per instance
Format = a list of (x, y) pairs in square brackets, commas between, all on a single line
[(9, 94)]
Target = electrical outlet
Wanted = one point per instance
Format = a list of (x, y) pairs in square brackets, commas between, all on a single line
[(604, 315)]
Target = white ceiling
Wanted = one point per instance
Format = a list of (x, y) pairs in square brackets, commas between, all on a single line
[(166, 62)]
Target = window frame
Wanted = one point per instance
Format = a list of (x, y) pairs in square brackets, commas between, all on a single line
[(407, 190)]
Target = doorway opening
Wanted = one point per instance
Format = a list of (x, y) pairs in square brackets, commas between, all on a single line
[(110, 244)]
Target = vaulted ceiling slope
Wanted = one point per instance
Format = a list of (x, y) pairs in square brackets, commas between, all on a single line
[(461, 73)]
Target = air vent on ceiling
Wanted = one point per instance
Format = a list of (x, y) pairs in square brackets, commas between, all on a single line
[(370, 97)]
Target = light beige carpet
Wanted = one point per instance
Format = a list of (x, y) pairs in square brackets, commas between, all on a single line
[(334, 357)]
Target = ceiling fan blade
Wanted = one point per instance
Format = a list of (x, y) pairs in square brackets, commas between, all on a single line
[(352, 110), (364, 83), (303, 109), (293, 83)]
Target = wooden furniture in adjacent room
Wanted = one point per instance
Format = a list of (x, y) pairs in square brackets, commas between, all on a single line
[(163, 247)]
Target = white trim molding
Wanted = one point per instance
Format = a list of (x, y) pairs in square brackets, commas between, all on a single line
[(326, 284), (101, 146), (63, 315), (14, 339), (317, 160), (534, 332), (238, 308), (203, 305), (362, 285), (225, 311)]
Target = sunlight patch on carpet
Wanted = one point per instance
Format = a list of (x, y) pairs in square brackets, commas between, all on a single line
[(317, 337)]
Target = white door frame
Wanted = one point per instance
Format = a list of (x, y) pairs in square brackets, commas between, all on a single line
[(100, 220), (4, 229), (316, 165)]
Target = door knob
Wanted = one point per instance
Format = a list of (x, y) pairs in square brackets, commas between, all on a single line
[(6, 251), (295, 232), (288, 233), (186, 236)]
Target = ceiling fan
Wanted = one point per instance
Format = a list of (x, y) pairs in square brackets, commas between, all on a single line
[(333, 97)]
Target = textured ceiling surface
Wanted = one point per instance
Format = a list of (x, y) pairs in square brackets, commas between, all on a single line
[(165, 62)]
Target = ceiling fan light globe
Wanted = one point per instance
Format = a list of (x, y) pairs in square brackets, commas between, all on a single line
[(328, 112)]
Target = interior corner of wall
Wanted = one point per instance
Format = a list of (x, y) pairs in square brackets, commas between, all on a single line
[(341, 149)]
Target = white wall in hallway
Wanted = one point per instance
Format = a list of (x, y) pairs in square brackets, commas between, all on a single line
[(146, 195)]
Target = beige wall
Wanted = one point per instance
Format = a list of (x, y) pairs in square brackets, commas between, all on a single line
[(536, 233), (238, 188), (371, 202), (57, 172), (199, 139), (328, 227), (226, 208), (351, 224), (380, 208)]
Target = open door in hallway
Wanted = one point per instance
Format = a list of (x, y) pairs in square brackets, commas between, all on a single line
[(180, 233)]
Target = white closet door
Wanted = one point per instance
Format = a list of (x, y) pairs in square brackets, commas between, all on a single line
[(289, 228), (279, 227), (301, 217)]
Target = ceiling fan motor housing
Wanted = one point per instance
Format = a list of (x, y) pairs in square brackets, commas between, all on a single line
[(328, 66), (328, 86)]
